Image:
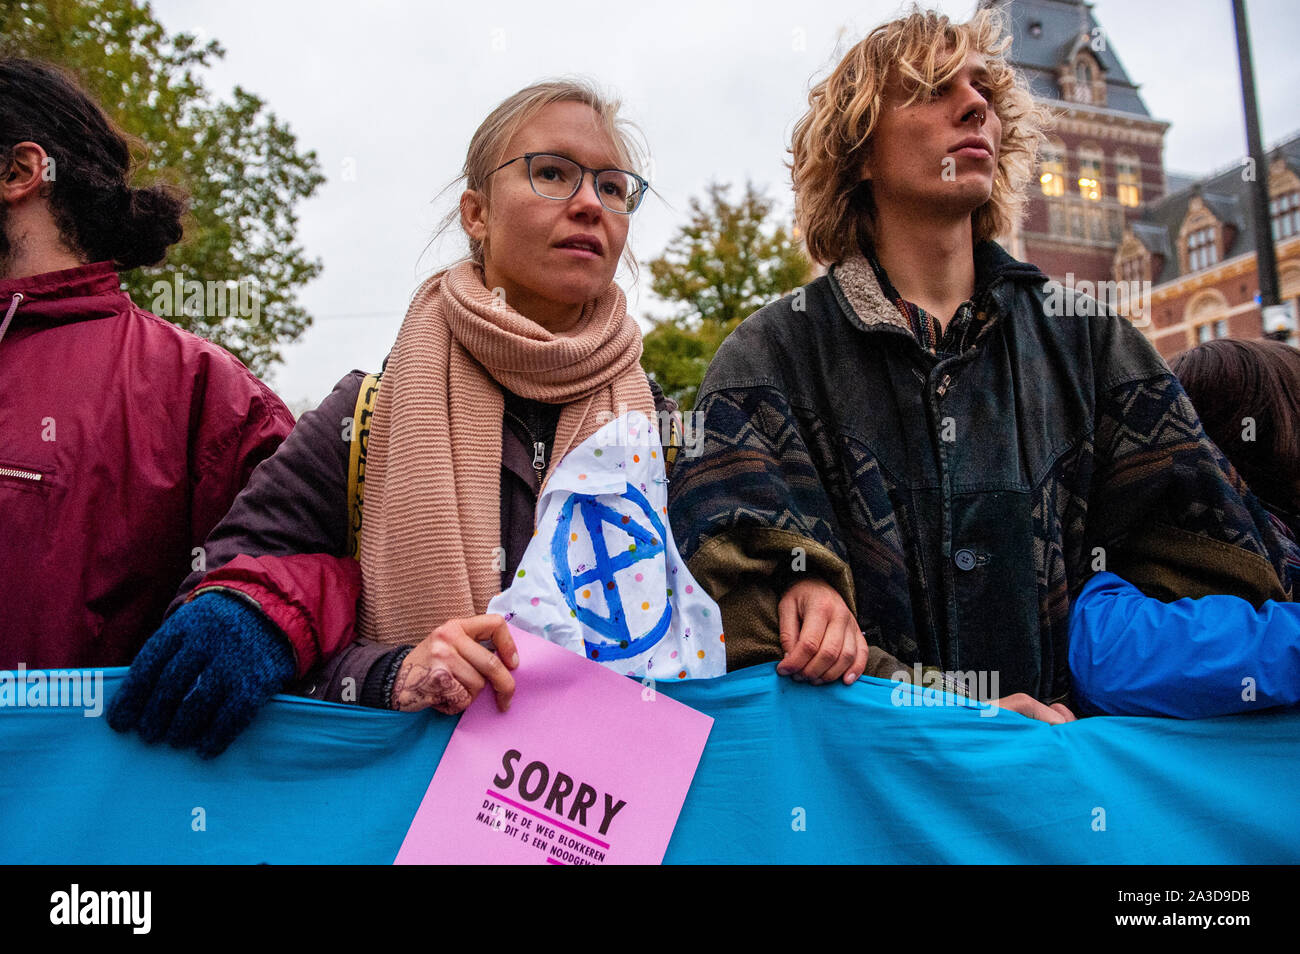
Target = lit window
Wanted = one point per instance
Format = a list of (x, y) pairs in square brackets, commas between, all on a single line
[(1090, 177), (1221, 328), (1204, 333), (1052, 176), (1126, 179)]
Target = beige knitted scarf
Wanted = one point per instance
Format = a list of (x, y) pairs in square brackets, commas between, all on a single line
[(432, 520)]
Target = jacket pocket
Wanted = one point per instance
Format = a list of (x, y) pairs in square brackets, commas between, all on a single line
[(28, 503), (14, 476)]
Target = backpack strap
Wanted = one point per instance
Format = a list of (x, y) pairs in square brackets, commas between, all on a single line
[(674, 440), (362, 417)]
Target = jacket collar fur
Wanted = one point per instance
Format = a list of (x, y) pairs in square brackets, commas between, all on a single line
[(858, 291)]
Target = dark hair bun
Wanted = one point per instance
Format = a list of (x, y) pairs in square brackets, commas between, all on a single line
[(153, 224), (98, 215)]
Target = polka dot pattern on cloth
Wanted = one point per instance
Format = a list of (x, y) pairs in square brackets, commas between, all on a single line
[(602, 576)]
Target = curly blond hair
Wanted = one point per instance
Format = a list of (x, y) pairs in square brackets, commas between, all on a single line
[(833, 205)]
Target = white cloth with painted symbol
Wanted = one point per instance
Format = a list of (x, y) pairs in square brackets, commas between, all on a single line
[(602, 575)]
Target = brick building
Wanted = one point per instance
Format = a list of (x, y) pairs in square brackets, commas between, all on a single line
[(1104, 156), (1197, 248), (1103, 209)]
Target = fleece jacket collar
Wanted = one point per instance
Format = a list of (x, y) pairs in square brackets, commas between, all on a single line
[(869, 309)]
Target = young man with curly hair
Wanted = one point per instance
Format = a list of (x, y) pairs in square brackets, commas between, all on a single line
[(914, 461)]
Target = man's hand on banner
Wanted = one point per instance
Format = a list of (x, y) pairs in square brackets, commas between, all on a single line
[(201, 678), (821, 639), (449, 668), (1027, 705)]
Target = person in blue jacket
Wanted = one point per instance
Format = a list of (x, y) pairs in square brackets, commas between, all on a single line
[(1217, 655)]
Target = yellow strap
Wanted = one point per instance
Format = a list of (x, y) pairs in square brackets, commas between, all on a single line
[(362, 416), (674, 442)]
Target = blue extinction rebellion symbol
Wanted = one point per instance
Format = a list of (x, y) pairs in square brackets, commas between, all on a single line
[(647, 544)]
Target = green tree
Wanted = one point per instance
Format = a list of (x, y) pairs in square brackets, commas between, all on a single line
[(728, 261), (240, 164)]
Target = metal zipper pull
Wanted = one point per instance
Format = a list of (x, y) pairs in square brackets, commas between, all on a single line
[(539, 456)]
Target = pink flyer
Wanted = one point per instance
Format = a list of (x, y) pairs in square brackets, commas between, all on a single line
[(587, 767)]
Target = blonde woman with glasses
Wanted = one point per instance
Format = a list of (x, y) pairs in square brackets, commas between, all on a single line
[(504, 363)]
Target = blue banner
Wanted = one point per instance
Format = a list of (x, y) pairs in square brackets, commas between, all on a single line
[(872, 773)]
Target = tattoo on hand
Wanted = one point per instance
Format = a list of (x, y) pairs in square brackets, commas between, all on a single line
[(420, 686)]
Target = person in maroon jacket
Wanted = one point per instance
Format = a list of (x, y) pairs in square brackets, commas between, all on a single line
[(504, 362), (123, 439)]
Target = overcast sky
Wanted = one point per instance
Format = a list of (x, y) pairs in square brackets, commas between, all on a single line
[(394, 90)]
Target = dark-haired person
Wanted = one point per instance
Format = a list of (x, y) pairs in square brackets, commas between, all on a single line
[(920, 445), (123, 439), (1214, 655), (1248, 396)]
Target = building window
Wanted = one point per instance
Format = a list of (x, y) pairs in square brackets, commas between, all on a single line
[(1055, 219), (1126, 181), (1090, 176), (1202, 250), (1097, 226), (1211, 330), (1082, 82), (1285, 213), (1052, 176), (1130, 269)]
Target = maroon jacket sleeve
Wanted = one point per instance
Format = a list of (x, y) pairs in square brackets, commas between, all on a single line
[(283, 542), (311, 597)]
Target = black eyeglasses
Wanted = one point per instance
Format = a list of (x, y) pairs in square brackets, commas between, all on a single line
[(558, 177)]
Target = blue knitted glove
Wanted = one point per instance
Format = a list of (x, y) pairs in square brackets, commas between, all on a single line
[(201, 678)]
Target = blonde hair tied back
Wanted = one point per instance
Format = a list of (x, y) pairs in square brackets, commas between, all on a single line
[(488, 144)]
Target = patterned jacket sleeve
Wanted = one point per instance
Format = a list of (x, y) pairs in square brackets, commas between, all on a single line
[(749, 512), (1169, 512)]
